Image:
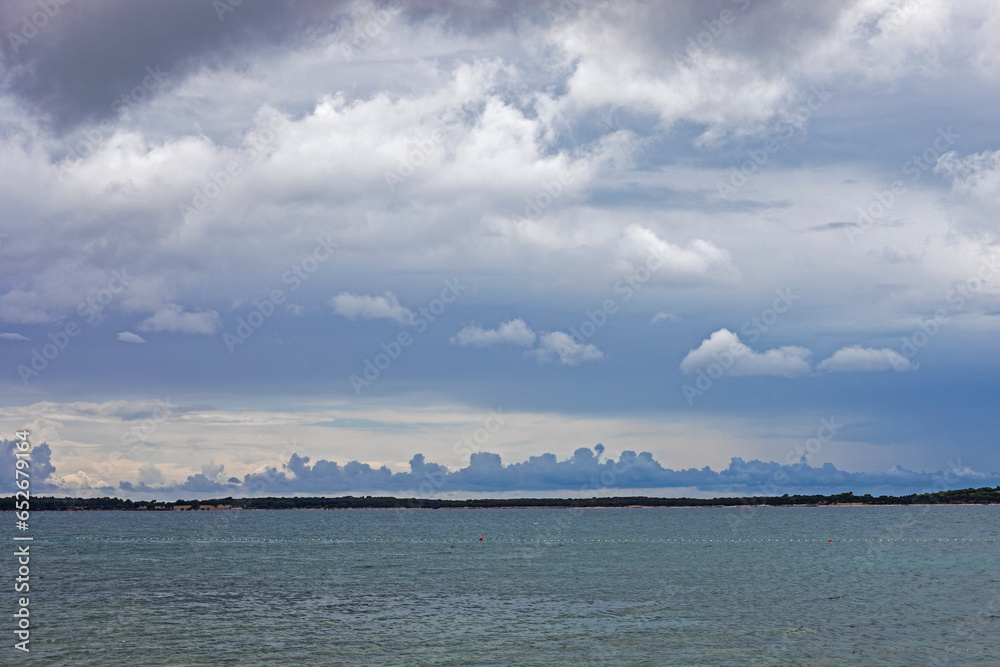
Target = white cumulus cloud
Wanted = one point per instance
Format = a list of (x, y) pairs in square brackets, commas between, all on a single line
[(640, 246), (129, 337), (13, 336), (512, 332), (21, 307), (559, 347), (80, 481), (174, 318), (976, 175), (723, 348), (857, 358), (366, 307)]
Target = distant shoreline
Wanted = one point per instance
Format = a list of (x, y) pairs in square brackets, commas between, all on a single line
[(529, 507), (983, 496)]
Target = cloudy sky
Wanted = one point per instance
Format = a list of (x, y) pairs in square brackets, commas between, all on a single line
[(243, 245)]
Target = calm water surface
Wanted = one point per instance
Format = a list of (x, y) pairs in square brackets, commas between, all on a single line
[(671, 586)]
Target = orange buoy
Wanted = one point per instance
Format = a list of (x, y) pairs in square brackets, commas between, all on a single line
[(480, 539), (830, 540)]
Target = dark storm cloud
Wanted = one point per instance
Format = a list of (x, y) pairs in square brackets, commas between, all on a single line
[(70, 59), (584, 471), (87, 53), (40, 468)]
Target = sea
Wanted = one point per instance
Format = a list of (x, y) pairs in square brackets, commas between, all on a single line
[(901, 585)]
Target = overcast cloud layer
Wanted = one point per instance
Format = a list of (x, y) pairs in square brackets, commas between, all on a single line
[(691, 229)]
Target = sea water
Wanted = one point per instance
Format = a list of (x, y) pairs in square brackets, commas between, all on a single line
[(631, 586)]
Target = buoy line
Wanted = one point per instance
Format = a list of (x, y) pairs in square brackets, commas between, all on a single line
[(334, 540)]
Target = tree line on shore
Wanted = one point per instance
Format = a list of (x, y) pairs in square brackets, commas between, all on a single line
[(981, 496)]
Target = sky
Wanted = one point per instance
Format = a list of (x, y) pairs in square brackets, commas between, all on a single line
[(449, 248)]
